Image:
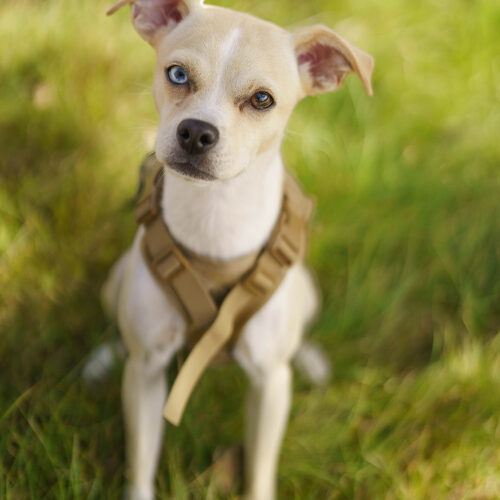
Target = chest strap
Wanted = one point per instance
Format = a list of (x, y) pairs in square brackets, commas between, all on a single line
[(186, 286)]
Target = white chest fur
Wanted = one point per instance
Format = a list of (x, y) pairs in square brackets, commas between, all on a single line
[(224, 220)]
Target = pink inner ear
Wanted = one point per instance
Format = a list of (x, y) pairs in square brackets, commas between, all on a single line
[(326, 65), (158, 13)]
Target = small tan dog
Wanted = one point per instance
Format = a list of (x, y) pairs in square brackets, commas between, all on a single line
[(225, 86)]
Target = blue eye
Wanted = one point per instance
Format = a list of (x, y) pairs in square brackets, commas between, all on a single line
[(177, 75)]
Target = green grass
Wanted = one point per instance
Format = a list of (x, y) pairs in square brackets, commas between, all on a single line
[(405, 243)]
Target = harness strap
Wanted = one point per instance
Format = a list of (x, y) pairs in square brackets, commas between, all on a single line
[(236, 309), (172, 268), (174, 272)]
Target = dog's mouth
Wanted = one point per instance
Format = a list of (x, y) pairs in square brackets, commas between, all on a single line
[(190, 171)]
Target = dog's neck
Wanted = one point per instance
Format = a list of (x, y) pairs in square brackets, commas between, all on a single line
[(225, 220)]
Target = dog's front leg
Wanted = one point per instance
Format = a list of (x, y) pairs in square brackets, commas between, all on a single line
[(267, 408), (144, 394)]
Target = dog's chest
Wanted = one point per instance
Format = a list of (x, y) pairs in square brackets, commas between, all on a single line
[(228, 220)]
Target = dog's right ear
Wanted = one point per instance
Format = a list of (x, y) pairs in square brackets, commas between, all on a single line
[(154, 17)]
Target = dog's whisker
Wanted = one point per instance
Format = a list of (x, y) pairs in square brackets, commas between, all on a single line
[(295, 133)]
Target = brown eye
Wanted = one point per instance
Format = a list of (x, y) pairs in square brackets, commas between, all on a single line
[(262, 100)]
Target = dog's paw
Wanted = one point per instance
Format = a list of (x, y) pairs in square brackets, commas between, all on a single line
[(101, 360), (312, 361)]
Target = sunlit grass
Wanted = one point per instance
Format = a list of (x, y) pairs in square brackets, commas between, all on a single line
[(405, 244)]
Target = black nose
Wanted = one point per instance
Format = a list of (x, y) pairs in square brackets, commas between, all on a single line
[(196, 137)]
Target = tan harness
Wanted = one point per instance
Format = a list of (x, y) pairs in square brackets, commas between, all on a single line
[(216, 298)]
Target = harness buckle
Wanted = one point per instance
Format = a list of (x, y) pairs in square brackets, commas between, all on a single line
[(284, 250), (167, 264), (168, 267), (259, 283)]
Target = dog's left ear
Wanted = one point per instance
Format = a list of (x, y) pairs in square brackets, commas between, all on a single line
[(325, 58), (152, 17)]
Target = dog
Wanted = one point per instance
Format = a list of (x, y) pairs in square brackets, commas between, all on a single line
[(225, 85)]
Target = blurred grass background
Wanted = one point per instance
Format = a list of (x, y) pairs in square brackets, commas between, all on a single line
[(405, 243)]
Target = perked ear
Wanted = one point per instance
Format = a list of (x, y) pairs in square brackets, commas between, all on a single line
[(325, 59), (150, 17)]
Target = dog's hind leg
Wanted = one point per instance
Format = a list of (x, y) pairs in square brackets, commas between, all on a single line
[(310, 359), (105, 355)]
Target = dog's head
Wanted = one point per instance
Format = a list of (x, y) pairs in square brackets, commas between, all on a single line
[(226, 83)]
